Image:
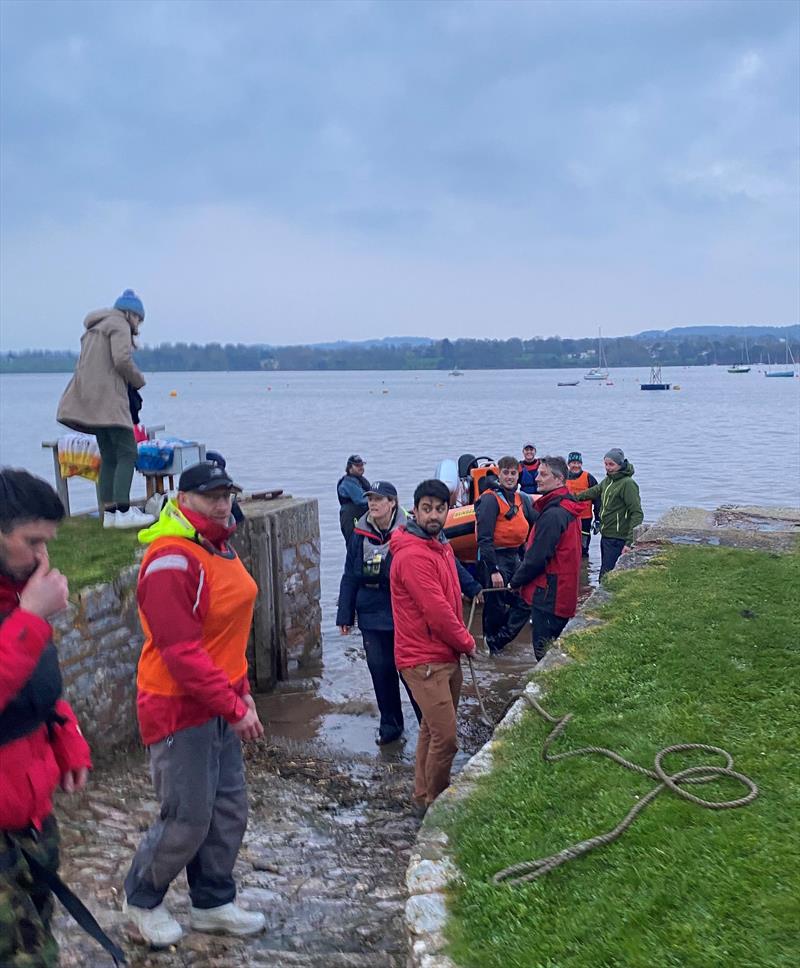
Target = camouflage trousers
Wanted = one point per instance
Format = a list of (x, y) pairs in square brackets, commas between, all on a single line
[(26, 904)]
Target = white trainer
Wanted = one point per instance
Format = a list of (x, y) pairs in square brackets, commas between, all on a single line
[(133, 518), (227, 919), (156, 925), (109, 519)]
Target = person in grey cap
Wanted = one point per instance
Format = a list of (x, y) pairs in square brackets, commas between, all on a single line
[(620, 507), (351, 491), (97, 401)]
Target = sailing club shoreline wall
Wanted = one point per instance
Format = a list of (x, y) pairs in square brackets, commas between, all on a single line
[(99, 637)]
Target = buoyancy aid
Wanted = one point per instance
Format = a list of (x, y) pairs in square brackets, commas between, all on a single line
[(511, 529), (528, 472), (375, 555), (226, 626), (577, 484)]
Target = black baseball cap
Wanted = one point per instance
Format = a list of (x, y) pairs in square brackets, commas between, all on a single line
[(355, 459), (206, 476), (384, 488)]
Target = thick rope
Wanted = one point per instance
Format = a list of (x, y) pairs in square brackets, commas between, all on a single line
[(529, 870), (484, 715)]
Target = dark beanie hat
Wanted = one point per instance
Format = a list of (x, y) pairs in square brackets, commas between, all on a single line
[(616, 455), (574, 455)]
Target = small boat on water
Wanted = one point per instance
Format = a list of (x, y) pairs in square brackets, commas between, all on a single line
[(456, 372), (599, 372), (656, 382), (789, 372), (568, 383), (466, 481), (744, 366)]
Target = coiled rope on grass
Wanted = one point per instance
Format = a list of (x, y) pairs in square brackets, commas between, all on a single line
[(529, 870)]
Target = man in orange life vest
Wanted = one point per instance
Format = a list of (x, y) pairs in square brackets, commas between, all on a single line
[(195, 710), (503, 518), (581, 480)]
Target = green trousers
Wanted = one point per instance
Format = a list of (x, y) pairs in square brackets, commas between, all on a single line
[(26, 905), (117, 455)]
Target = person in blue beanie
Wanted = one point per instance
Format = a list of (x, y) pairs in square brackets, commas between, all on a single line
[(96, 401)]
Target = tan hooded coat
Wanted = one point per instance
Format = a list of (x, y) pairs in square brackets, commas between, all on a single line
[(97, 394)]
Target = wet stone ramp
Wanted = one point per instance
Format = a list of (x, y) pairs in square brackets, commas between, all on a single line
[(324, 858)]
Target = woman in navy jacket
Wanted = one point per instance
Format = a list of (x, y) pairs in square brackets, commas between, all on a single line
[(364, 591)]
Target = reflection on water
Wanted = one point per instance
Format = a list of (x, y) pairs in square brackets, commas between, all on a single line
[(719, 440)]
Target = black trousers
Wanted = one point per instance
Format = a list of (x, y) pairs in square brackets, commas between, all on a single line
[(505, 614), (586, 536), (379, 646), (546, 627), (610, 550)]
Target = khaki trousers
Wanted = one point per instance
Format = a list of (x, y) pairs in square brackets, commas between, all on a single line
[(436, 688)]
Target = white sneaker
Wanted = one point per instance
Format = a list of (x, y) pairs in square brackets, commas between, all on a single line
[(133, 518), (156, 925), (228, 919), (109, 519)]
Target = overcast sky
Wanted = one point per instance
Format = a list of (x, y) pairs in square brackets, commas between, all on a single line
[(297, 172)]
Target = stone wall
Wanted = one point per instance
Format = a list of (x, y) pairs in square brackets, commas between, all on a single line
[(99, 637)]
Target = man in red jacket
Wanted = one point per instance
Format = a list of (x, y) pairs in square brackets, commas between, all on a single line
[(430, 635), (40, 742), (547, 577)]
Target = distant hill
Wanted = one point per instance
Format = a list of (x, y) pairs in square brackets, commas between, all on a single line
[(684, 346), (721, 332), (367, 344)]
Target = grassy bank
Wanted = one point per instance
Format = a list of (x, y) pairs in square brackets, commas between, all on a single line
[(703, 648), (89, 554)]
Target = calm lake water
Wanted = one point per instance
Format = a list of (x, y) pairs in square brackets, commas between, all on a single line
[(721, 438)]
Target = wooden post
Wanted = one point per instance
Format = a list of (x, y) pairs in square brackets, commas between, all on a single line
[(61, 482)]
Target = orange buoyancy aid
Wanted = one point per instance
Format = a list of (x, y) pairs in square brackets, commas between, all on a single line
[(508, 532), (575, 486), (226, 626)]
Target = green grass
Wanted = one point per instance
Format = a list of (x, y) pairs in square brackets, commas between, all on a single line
[(684, 886), (89, 554)]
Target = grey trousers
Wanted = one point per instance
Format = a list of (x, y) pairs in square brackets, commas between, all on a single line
[(198, 776)]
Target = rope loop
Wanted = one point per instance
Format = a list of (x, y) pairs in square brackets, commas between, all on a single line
[(529, 870)]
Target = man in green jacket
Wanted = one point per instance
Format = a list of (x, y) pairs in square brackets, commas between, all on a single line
[(620, 507)]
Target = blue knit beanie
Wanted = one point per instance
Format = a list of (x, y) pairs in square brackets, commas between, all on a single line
[(129, 302)]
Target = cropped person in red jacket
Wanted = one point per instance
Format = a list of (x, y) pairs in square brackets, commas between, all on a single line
[(547, 577), (429, 634), (195, 710), (41, 745)]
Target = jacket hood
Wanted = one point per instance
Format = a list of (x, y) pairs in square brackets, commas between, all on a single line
[(625, 471), (174, 522), (369, 529), (409, 535), (97, 317), (562, 497)]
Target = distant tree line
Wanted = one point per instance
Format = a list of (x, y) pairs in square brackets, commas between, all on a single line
[(465, 354)]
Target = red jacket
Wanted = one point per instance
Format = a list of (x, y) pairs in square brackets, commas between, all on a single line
[(174, 595), (548, 574), (426, 601), (31, 767)]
